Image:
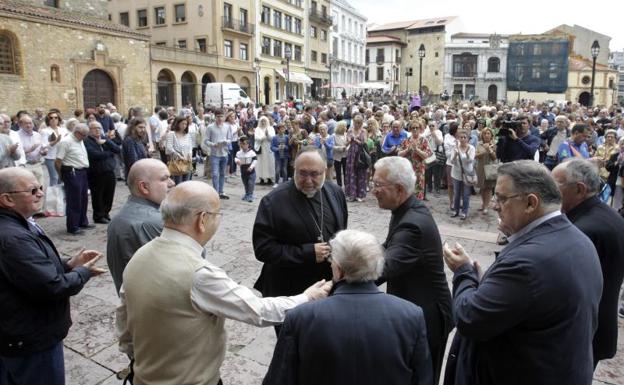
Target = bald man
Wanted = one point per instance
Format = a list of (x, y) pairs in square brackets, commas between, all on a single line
[(139, 220), (171, 280), (35, 286)]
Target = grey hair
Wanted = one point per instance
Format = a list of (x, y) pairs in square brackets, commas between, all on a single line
[(96, 123), (182, 212), (82, 128), (581, 170), (359, 255), (528, 177), (70, 124), (116, 117), (399, 171)]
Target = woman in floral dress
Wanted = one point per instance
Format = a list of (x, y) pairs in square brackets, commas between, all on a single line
[(416, 150), (355, 184)]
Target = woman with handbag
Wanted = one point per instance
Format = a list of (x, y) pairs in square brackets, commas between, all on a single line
[(355, 183), (462, 174), (416, 150), (179, 149), (486, 158)]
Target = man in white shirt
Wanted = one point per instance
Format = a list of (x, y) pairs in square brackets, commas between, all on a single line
[(170, 280), (33, 146), (72, 163), (6, 126)]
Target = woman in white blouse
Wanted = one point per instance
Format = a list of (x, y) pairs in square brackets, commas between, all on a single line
[(263, 134), (462, 169), (179, 146), (52, 134)]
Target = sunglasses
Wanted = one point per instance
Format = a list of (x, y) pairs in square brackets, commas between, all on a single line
[(32, 191)]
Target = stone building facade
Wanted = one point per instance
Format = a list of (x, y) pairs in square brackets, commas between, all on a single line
[(55, 57)]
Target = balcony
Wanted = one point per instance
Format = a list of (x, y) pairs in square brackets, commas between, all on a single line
[(237, 26), (183, 56), (320, 17), (380, 59)]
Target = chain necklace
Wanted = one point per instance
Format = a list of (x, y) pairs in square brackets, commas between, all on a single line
[(319, 228)]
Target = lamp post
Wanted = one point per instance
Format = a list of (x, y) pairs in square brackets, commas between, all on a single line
[(287, 55), (595, 50), (330, 59), (256, 67), (394, 77), (421, 55)]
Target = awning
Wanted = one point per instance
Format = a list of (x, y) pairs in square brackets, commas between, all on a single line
[(374, 85), (295, 77)]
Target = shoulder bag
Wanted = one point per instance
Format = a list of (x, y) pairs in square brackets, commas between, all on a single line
[(468, 178)]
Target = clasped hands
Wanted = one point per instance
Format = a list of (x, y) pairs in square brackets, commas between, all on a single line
[(88, 259), (456, 257)]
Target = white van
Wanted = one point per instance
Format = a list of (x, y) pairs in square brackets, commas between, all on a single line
[(224, 95)]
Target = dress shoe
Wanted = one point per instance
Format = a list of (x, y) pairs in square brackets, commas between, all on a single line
[(223, 196), (89, 226), (102, 221), (77, 232)]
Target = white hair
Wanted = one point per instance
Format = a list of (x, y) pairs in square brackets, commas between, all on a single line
[(358, 254), (399, 170)]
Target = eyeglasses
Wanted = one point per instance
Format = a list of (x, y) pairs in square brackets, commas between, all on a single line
[(218, 214), (377, 185), (501, 199), (309, 174), (32, 191)]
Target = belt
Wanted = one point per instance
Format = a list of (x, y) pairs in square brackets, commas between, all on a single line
[(72, 169), (33, 162)]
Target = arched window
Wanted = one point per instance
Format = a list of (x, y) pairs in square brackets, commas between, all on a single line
[(55, 74), (493, 64), (7, 54)]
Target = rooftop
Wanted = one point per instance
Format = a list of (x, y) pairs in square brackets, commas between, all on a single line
[(413, 24), (383, 39)]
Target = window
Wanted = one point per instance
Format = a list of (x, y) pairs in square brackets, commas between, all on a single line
[(298, 53), (381, 58), (243, 17), (288, 23), (277, 48), (201, 45), (397, 55), (227, 11), (161, 43), (313, 6), (124, 19), (51, 3), (298, 26), (380, 74), (324, 58), (180, 13), (7, 55), (182, 43), (159, 15), (323, 35), (436, 54), (313, 56), (313, 32), (243, 52), (366, 75), (323, 10), (277, 19), (265, 17), (142, 18), (493, 64), (227, 48), (110, 17), (465, 65), (367, 56), (288, 48), (266, 46)]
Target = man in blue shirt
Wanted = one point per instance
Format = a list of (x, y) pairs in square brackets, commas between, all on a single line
[(576, 146), (519, 144), (104, 119), (546, 114), (393, 139)]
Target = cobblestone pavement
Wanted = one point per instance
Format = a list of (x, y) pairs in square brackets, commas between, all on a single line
[(91, 350)]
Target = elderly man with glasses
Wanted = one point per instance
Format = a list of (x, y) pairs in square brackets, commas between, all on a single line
[(35, 286), (531, 318)]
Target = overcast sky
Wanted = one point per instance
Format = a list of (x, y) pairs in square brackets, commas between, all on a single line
[(505, 17)]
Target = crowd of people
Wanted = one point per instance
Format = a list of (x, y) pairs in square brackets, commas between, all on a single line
[(545, 312)]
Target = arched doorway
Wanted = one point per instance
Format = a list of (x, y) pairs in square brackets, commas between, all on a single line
[(267, 90), (165, 88), (230, 79), (492, 93), (245, 85), (584, 98), (207, 78), (97, 87), (188, 89)]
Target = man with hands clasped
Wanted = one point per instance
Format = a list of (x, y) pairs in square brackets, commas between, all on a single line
[(531, 317), (35, 286)]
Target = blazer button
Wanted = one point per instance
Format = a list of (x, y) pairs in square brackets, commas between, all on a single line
[(10, 345), (20, 343)]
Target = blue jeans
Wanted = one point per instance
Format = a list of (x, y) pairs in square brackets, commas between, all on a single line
[(281, 169), (461, 191), (54, 178), (249, 181), (177, 179), (217, 165), (39, 368)]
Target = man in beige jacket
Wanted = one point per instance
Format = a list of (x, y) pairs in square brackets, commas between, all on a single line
[(175, 302)]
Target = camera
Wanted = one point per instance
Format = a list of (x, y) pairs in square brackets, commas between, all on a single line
[(507, 125)]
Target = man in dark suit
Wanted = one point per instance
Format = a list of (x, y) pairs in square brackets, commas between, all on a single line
[(293, 224), (358, 335), (413, 253), (579, 183), (531, 318)]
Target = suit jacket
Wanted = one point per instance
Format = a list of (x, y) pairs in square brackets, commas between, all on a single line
[(101, 157), (605, 228), (414, 268), (532, 317), (284, 236), (358, 335)]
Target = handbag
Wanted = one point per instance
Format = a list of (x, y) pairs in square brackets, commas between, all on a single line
[(364, 158), (440, 155), (468, 178), (491, 171), (179, 167), (55, 201)]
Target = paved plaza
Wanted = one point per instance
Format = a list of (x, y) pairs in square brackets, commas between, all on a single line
[(91, 350)]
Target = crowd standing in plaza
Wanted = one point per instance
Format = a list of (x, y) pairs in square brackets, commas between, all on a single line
[(545, 312)]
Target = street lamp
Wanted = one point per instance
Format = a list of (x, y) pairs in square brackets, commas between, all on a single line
[(421, 55), (330, 59), (595, 50), (256, 67), (287, 55)]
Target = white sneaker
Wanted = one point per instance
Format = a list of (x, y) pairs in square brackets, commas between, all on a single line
[(275, 185)]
